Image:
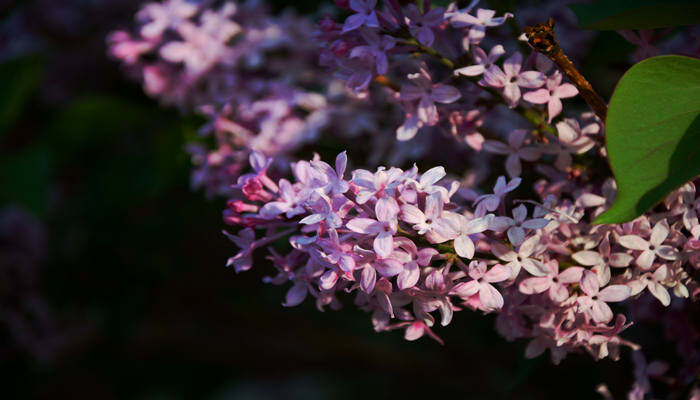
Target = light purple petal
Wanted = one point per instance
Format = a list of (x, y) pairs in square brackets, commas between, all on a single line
[(409, 276), (633, 242), (601, 312), (516, 235), (553, 108), (512, 65), (536, 223), (490, 298), (513, 166), (432, 175), (534, 285), (588, 258), (472, 70), (364, 225), (384, 244), (497, 273), (427, 111), (295, 295), (646, 259), (353, 22), (495, 77), (386, 208), (660, 292), (566, 90), (534, 267), (445, 94), (614, 293), (530, 79), (589, 283), (368, 279), (539, 96), (571, 275), (389, 267), (464, 246), (465, 289)]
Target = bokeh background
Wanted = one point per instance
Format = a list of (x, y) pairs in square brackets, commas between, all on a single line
[(112, 277)]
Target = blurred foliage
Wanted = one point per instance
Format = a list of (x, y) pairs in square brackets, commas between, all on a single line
[(636, 14), (20, 78)]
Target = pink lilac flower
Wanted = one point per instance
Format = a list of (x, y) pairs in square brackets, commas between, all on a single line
[(422, 88), (652, 248), (552, 94), (161, 16), (384, 227), (376, 49), (242, 261), (604, 256), (522, 258), (463, 244), (514, 150), (421, 25), (510, 79), (654, 282), (576, 139), (482, 62), (431, 222), (477, 24), (555, 283), (516, 226), (489, 296), (490, 202), (595, 300), (365, 15)]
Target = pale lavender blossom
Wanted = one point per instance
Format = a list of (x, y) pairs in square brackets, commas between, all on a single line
[(376, 48), (477, 24), (652, 248), (552, 95), (522, 258), (515, 227), (463, 244), (490, 202), (595, 300), (510, 79), (481, 284), (482, 62), (515, 150), (427, 93), (365, 15), (555, 283), (421, 25), (654, 282), (384, 227)]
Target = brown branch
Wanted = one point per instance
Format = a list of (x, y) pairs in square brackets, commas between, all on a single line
[(542, 39)]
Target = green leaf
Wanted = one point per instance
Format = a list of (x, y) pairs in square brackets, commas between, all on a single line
[(18, 80), (653, 133), (636, 14)]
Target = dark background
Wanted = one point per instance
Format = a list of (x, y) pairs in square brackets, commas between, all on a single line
[(133, 273)]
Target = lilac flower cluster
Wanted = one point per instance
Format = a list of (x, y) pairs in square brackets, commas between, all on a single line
[(245, 71), (406, 248), (253, 76), (413, 247), (467, 80)]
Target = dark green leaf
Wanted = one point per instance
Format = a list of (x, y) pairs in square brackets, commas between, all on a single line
[(653, 133), (18, 79), (636, 14)]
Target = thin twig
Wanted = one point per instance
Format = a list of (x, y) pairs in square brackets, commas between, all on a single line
[(542, 39)]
